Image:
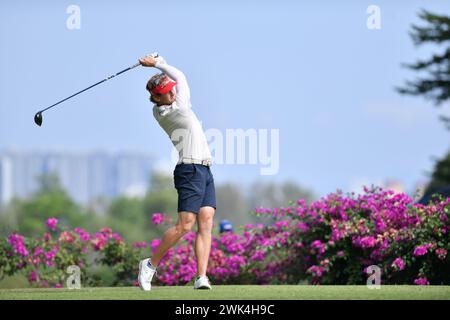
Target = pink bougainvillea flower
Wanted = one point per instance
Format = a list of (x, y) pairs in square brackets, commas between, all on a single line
[(99, 242), (50, 257), (318, 245), (420, 251), (367, 242), (117, 237), (18, 244), (84, 235), (257, 256), (155, 243), (38, 251), (302, 226), (52, 224), (33, 276), (47, 237), (398, 264), (316, 271), (157, 218), (140, 244), (66, 237), (106, 231), (422, 281), (325, 262), (441, 253)]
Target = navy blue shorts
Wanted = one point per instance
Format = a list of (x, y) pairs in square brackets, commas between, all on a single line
[(195, 187)]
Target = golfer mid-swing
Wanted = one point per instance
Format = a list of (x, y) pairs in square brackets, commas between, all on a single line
[(169, 91)]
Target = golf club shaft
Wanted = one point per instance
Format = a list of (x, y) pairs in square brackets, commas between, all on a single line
[(106, 79)]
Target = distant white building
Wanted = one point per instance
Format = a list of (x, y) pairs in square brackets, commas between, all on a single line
[(83, 176), (6, 190)]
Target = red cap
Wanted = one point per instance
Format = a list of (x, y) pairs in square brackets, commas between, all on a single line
[(160, 84)]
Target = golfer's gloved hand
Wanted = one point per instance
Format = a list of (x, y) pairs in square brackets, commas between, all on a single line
[(151, 60), (160, 60)]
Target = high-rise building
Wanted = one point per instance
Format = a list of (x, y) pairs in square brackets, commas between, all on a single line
[(83, 176), (6, 191), (129, 172)]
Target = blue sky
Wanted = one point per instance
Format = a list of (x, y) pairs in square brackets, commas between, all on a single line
[(311, 69)]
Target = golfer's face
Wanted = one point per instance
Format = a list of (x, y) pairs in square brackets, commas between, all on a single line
[(169, 97)]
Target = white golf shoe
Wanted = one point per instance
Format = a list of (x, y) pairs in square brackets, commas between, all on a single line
[(202, 283), (145, 275)]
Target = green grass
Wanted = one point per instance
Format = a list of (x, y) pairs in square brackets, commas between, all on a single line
[(232, 292)]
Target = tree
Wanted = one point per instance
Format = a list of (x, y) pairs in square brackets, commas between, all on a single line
[(126, 216), (441, 175), (50, 200), (436, 85), (232, 205), (49, 183), (160, 198), (278, 195)]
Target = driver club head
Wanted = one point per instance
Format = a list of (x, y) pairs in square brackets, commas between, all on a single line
[(38, 119)]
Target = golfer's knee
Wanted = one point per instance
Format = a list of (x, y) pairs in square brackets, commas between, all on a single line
[(205, 224), (184, 226), (186, 221)]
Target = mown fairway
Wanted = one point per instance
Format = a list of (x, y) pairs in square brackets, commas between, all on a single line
[(232, 292)]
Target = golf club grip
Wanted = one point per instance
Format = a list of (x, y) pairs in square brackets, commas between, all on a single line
[(95, 84)]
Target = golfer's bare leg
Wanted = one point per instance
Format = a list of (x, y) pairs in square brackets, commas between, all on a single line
[(203, 239), (185, 222)]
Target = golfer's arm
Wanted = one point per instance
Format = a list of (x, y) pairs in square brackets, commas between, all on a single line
[(183, 92)]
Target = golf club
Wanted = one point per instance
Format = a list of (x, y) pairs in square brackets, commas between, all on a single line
[(38, 116)]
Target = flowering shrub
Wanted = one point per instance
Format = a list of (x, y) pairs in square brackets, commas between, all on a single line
[(45, 260), (337, 237), (331, 241)]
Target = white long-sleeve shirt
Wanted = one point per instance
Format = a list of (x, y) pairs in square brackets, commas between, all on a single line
[(179, 120)]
